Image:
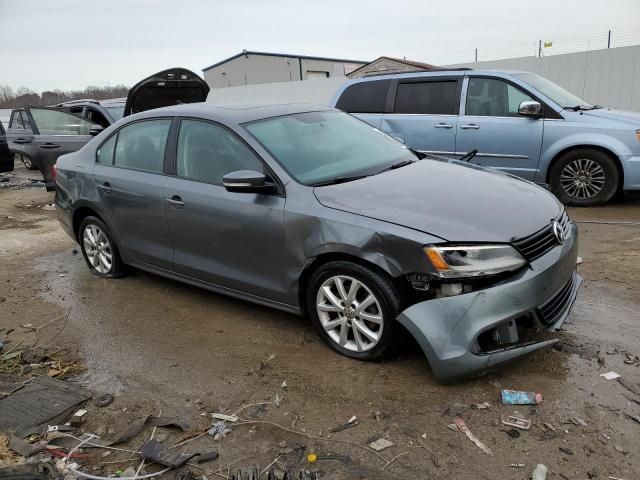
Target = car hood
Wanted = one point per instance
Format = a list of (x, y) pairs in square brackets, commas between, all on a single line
[(612, 114), (455, 201), (169, 87)]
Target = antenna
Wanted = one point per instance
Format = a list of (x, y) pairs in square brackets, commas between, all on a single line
[(584, 80)]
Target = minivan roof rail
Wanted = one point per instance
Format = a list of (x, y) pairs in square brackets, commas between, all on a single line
[(398, 72), (83, 100)]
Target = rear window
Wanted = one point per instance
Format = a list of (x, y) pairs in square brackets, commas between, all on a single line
[(364, 97), (435, 98)]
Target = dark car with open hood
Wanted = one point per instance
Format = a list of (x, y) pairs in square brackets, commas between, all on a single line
[(312, 211), (39, 135)]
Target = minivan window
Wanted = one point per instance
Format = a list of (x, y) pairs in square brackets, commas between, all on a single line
[(207, 152), (555, 92), (55, 122), (318, 146), (489, 97), (434, 98), (141, 145), (364, 97)]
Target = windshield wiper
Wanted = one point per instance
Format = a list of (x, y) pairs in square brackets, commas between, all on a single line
[(582, 107), (403, 163), (336, 180)]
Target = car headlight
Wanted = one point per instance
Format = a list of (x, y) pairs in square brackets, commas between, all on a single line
[(473, 260)]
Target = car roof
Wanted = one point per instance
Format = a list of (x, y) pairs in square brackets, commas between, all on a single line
[(233, 112), (439, 73)]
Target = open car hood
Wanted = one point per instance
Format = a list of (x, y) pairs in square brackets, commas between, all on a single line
[(169, 87)]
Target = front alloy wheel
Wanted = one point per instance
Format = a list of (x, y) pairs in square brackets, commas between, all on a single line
[(350, 313), (582, 179), (353, 308)]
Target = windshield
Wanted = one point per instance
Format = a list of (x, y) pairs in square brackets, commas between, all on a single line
[(555, 92), (315, 147), (115, 112)]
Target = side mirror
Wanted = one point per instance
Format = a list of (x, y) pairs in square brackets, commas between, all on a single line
[(530, 109), (95, 130), (247, 181)]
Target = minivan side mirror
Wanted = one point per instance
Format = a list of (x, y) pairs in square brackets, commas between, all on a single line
[(530, 109), (95, 130), (247, 181)]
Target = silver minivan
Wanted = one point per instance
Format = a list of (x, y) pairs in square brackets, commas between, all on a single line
[(518, 122)]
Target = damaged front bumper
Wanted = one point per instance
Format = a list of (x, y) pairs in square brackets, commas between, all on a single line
[(472, 333)]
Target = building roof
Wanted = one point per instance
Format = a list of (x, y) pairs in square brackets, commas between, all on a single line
[(284, 55), (412, 63)]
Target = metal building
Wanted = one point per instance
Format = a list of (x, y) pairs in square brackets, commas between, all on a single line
[(251, 68), (390, 65)]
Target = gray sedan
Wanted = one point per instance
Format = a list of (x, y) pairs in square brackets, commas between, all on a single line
[(311, 211)]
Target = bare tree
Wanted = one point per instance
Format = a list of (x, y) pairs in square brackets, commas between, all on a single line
[(25, 96)]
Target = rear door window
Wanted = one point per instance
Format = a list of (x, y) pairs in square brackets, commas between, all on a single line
[(364, 97), (19, 121), (430, 98), (141, 145), (54, 122)]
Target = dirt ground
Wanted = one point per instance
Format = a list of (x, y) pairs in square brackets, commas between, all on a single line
[(160, 346)]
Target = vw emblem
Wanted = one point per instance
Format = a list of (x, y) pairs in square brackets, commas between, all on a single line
[(558, 232)]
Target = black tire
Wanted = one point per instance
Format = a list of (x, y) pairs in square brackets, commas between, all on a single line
[(26, 161), (568, 163), (117, 269), (388, 302)]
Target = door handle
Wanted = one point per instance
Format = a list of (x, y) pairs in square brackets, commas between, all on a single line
[(175, 201), (106, 188), (49, 146), (443, 125), (471, 126), (21, 141)]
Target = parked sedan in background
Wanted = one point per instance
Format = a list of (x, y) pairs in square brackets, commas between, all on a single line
[(39, 135), (311, 211), (519, 122)]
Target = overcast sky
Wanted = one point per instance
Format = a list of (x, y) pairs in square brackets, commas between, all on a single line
[(48, 44)]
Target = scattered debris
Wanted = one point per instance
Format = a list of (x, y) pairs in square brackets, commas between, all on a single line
[(26, 449), (579, 421), (219, 430), (160, 453), (540, 472), (633, 417), (284, 385), (513, 433), (515, 397), (312, 458), (207, 457), (226, 418), (566, 450), (78, 418), (103, 399), (381, 444), (517, 465), (610, 375), (453, 427), (481, 406), (549, 426), (352, 422), (39, 401), (514, 421), (137, 425), (464, 429), (579, 260)]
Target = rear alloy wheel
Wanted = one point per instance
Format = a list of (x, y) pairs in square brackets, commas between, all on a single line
[(98, 249), (584, 178), (353, 308)]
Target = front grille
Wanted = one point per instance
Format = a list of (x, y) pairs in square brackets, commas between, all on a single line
[(554, 308), (536, 245)]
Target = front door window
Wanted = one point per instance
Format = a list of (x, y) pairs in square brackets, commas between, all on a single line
[(488, 97)]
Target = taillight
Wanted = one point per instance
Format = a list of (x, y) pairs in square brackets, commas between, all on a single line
[(54, 170)]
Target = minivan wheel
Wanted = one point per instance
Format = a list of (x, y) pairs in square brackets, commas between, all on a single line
[(99, 250), (353, 308), (585, 177)]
